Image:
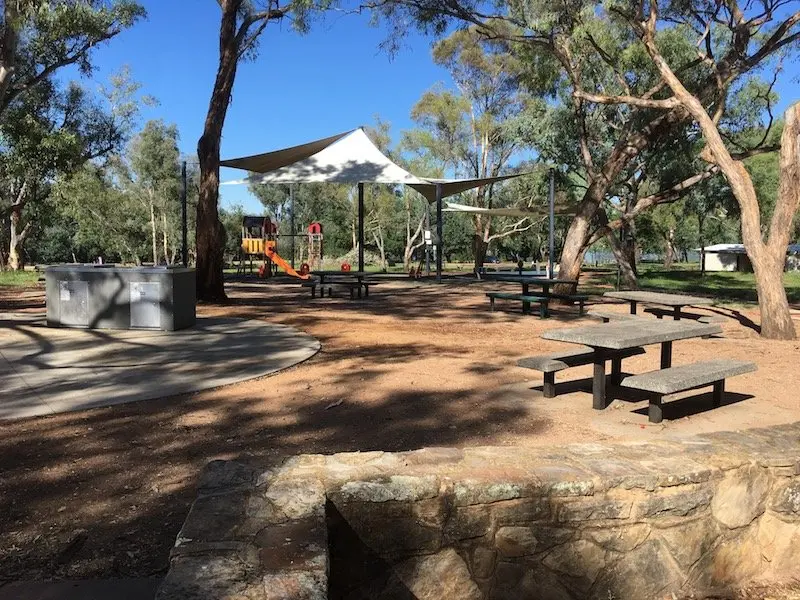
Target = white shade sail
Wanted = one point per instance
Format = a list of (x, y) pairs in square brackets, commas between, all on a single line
[(532, 212), (348, 157)]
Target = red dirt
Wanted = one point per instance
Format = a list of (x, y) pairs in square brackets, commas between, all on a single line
[(102, 493)]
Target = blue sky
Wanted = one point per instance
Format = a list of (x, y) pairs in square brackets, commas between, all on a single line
[(300, 88)]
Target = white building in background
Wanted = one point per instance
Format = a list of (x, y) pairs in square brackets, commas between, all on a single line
[(732, 257)]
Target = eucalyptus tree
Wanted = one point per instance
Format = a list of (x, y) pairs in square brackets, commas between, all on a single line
[(50, 132), (151, 175), (470, 131), (728, 41), (241, 25), (46, 128), (664, 71), (101, 218)]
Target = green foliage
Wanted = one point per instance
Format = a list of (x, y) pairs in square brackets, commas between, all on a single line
[(51, 34), (104, 210), (232, 222), (49, 129)]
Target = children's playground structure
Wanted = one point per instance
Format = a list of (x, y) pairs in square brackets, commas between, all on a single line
[(260, 239)]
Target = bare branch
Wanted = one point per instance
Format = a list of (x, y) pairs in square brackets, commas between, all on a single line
[(666, 104), (515, 228)]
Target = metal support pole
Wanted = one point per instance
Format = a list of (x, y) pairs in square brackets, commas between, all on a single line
[(184, 223), (427, 245), (291, 219), (552, 222), (439, 232), (360, 226)]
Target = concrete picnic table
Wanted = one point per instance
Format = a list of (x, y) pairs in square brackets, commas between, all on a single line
[(623, 335), (676, 301)]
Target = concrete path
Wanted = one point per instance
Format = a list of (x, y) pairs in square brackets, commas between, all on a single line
[(46, 370), (104, 589)]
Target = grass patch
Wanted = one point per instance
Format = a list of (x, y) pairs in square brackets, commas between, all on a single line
[(18, 278), (687, 279)]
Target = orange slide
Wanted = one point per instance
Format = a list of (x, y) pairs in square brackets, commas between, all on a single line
[(269, 250)]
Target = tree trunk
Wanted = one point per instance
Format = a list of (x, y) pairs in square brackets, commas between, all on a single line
[(8, 48), (379, 242), (209, 229), (768, 259), (577, 238), (411, 238), (627, 272), (625, 150), (167, 258), (669, 248), (479, 247), (154, 231), (15, 262)]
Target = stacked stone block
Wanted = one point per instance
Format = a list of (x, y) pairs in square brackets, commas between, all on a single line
[(662, 519)]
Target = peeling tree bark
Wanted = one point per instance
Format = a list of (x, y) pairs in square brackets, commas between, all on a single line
[(17, 239), (627, 272), (669, 248)]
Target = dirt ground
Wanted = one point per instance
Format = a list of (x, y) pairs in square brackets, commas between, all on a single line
[(102, 493)]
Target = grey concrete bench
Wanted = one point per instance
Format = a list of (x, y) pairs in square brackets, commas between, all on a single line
[(605, 317), (542, 301), (712, 319), (550, 364), (659, 384), (660, 313)]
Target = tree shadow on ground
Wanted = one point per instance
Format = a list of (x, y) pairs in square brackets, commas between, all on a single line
[(120, 480)]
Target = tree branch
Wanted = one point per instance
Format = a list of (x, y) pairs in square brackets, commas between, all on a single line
[(666, 196), (666, 104), (515, 228)]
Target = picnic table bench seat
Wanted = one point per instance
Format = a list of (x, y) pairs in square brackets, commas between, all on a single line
[(550, 364), (579, 298), (712, 319), (607, 316), (542, 301), (664, 382), (353, 286), (314, 285)]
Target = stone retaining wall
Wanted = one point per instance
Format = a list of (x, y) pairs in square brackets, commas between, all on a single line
[(626, 521)]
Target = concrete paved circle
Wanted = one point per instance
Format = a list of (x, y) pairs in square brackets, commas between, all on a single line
[(45, 370)]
